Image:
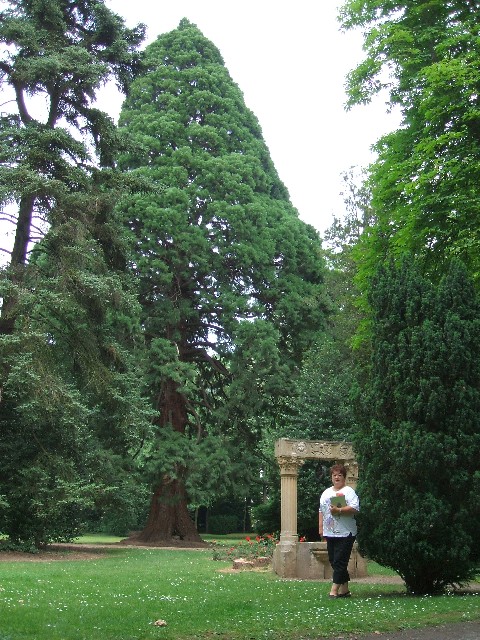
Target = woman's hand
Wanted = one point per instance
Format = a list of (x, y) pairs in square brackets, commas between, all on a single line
[(335, 511)]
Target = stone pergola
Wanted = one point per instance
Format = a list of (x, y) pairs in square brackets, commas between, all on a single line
[(308, 559)]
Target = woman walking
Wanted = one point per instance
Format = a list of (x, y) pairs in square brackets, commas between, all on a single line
[(338, 506)]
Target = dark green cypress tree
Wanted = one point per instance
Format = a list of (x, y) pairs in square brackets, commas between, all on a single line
[(419, 455), (231, 279)]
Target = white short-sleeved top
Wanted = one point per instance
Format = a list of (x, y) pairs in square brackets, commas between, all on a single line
[(343, 525)]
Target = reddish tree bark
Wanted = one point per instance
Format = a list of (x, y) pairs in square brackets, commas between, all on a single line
[(169, 515)]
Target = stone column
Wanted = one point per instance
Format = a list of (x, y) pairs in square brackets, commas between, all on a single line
[(285, 554), (288, 477)]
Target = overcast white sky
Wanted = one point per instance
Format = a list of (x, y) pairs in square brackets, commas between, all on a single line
[(290, 60)]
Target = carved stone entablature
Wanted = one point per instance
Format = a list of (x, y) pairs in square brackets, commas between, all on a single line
[(314, 449)]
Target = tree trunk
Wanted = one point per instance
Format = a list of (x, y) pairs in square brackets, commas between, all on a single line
[(17, 263), (22, 234), (169, 517)]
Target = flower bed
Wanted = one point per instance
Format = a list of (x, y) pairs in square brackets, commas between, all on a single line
[(250, 549)]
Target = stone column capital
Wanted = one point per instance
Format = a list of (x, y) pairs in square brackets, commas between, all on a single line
[(289, 465)]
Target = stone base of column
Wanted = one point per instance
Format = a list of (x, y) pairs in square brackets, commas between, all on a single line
[(285, 559)]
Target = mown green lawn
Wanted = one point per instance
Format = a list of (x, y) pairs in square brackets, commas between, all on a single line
[(120, 595)]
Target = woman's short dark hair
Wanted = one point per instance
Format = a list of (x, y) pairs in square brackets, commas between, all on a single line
[(339, 468)]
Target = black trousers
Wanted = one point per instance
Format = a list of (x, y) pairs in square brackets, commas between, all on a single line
[(339, 550)]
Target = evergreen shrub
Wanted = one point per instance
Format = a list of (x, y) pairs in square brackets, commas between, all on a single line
[(419, 454)]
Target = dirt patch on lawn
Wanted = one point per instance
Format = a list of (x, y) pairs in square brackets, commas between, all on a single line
[(68, 551), (52, 555)]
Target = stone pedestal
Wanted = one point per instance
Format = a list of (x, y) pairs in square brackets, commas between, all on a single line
[(285, 559), (309, 561)]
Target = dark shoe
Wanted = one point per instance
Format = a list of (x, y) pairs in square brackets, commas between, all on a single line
[(345, 595), (332, 595)]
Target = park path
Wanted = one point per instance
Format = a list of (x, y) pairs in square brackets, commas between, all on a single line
[(456, 631)]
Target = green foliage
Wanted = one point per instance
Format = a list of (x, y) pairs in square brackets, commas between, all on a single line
[(230, 511), (98, 538), (325, 398), (223, 524), (64, 54), (250, 548), (419, 453), (425, 182), (126, 507), (266, 516), (70, 341), (322, 406), (323, 403), (344, 242), (313, 477), (70, 383), (204, 465), (325, 394)]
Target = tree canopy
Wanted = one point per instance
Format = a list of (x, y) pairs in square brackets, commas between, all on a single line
[(58, 54), (418, 431), (425, 181), (419, 451)]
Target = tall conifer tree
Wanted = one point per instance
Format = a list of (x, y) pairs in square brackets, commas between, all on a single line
[(231, 279), (70, 407)]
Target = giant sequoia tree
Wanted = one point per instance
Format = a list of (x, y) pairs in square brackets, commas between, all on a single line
[(425, 183), (69, 402), (419, 453), (231, 279)]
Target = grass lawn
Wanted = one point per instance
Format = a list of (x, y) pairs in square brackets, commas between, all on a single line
[(120, 595)]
